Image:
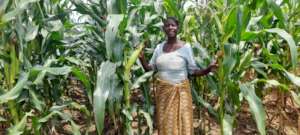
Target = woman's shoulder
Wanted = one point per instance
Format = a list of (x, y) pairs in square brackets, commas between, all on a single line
[(158, 47), (186, 49), (161, 44), (187, 46)]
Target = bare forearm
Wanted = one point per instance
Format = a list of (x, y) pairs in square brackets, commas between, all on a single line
[(145, 64), (201, 72)]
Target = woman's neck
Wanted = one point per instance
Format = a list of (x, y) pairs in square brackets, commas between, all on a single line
[(171, 40)]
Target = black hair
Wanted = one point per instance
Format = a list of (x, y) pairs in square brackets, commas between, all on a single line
[(171, 18)]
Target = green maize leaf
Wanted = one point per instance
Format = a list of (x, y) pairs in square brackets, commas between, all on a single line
[(40, 77), (77, 61), (271, 83), (293, 78), (65, 116), (19, 127), (250, 35), (38, 104), (259, 66), (54, 112), (245, 60), (106, 83), (85, 9), (55, 25), (80, 107), (17, 11), (16, 90), (293, 48), (72, 105), (24, 4), (277, 12), (11, 69), (75, 128), (172, 9), (230, 60), (58, 107), (81, 7), (32, 31), (114, 47), (227, 123), (116, 6), (253, 21), (136, 2), (256, 106), (36, 125), (85, 80), (4, 57), (239, 25), (296, 98), (265, 20), (47, 117), (200, 101), (231, 21), (277, 67), (142, 79), (127, 114), (246, 17), (2, 119), (51, 70), (148, 120), (10, 15), (132, 59), (3, 6), (217, 20)]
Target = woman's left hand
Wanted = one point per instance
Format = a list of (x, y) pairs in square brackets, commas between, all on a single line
[(213, 66)]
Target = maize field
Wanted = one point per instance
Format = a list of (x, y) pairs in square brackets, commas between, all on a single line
[(72, 67)]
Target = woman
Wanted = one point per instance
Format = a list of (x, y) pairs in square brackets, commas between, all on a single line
[(173, 61)]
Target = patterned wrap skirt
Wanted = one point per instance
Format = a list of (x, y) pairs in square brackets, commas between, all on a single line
[(174, 112)]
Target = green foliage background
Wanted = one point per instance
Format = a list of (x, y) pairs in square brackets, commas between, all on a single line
[(43, 46)]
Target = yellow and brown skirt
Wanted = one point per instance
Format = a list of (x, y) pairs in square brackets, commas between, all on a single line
[(174, 112)]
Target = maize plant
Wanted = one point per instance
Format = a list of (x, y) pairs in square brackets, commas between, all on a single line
[(71, 67)]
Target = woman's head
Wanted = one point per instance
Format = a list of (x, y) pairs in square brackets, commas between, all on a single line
[(171, 26)]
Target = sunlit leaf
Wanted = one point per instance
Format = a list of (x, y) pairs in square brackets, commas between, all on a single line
[(18, 129), (256, 106), (293, 48), (296, 97), (293, 78), (85, 80), (2, 119), (16, 90), (277, 12), (227, 124), (148, 120), (106, 82), (114, 48), (141, 79), (31, 32)]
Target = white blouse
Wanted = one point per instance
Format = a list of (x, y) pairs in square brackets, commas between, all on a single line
[(173, 66)]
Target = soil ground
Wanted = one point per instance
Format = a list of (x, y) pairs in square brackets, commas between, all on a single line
[(282, 118)]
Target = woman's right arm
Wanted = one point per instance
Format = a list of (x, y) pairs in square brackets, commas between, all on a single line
[(145, 64)]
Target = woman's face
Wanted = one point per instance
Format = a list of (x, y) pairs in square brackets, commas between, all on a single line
[(170, 27)]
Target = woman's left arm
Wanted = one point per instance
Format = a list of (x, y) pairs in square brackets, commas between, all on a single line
[(194, 70), (202, 72)]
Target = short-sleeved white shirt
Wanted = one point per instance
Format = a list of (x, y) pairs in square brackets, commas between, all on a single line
[(173, 66)]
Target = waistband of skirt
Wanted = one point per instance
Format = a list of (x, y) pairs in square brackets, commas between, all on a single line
[(183, 82)]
